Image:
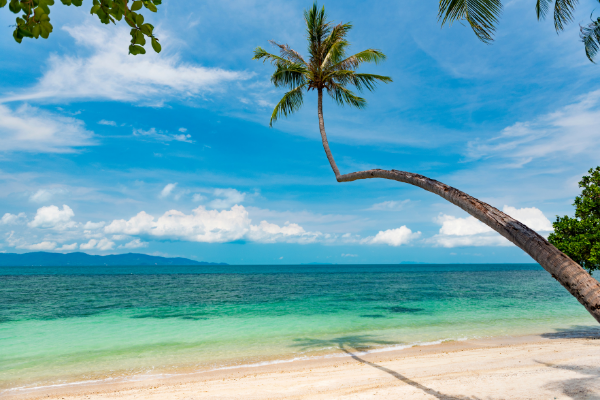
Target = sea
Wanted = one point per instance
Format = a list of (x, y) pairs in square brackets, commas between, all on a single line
[(74, 325)]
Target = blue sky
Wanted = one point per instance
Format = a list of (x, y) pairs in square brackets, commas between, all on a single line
[(172, 154)]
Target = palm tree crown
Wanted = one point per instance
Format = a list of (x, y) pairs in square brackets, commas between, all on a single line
[(328, 68)]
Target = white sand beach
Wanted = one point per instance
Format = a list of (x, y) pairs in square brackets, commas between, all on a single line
[(531, 367)]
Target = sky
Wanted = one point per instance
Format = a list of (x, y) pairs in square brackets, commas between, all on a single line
[(171, 154)]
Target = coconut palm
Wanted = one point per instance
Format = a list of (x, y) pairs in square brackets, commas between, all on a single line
[(483, 17), (329, 69)]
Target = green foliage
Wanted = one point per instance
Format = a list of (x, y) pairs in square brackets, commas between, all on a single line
[(34, 22), (579, 237), (483, 16), (328, 67)]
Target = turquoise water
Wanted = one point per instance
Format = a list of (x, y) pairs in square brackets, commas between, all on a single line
[(62, 325)]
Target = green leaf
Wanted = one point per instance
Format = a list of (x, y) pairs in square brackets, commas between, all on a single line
[(147, 29), (36, 31), (139, 38), (150, 6), (482, 15), (18, 38), (3, 3), (130, 21), (139, 19), (24, 32), (77, 3), (66, 2), (156, 45), (135, 50), (95, 9), (15, 7), (137, 5)]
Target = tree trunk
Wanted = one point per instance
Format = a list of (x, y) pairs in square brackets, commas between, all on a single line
[(566, 271)]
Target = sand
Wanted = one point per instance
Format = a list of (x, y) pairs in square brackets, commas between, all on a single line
[(501, 368)]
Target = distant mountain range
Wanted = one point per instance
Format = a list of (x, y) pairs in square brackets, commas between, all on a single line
[(44, 259)]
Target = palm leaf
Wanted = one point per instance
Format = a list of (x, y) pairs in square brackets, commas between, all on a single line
[(563, 13), (343, 96), (260, 53), (289, 103), (482, 15), (590, 36), (352, 62), (288, 53), (289, 75)]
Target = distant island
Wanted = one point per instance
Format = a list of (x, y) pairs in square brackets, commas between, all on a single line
[(44, 259)]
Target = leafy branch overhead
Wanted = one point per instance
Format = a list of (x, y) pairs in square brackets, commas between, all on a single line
[(483, 16), (34, 22)]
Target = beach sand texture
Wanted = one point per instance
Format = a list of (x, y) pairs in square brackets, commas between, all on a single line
[(501, 368)]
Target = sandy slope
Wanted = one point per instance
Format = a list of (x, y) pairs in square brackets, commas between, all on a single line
[(518, 368)]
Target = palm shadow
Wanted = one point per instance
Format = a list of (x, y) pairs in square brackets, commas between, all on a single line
[(574, 332), (576, 388), (353, 344)]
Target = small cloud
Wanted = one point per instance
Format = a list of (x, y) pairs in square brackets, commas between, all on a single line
[(134, 244), (94, 225), (167, 190), (102, 244), (12, 219), (44, 195), (43, 246), (389, 205), (162, 136), (349, 255), (182, 130), (53, 217), (67, 247), (105, 122), (281, 258), (197, 197), (229, 198), (392, 237)]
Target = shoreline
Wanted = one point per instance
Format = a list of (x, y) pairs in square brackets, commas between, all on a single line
[(236, 380)]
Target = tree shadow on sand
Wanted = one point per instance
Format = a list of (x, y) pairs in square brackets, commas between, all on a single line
[(356, 344), (577, 388), (574, 332)]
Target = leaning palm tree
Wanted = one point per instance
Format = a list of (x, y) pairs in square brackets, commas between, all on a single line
[(328, 69)]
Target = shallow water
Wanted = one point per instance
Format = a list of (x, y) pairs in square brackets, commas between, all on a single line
[(67, 324)]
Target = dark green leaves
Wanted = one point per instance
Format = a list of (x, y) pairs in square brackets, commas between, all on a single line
[(579, 237), (590, 36), (35, 20), (482, 15)]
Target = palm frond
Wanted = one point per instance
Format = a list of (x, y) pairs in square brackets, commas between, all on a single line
[(590, 36), (541, 8), (368, 81), (289, 75), (288, 53), (289, 103), (262, 54), (335, 44), (482, 15), (317, 29), (352, 62), (343, 96), (563, 13)]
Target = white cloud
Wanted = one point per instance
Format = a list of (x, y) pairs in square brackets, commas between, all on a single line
[(389, 205), (53, 217), (392, 237), (457, 232), (211, 226), (67, 247), (102, 244), (43, 246), (570, 131), (162, 136), (33, 130), (105, 122), (12, 219), (198, 197), (134, 244), (182, 130), (110, 73), (289, 233), (533, 217), (44, 195), (94, 225), (349, 255), (229, 198), (168, 189)]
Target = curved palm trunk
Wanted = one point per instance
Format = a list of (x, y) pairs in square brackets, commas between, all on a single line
[(566, 271)]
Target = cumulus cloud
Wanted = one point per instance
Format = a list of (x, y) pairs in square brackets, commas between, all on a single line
[(12, 219), (43, 246), (102, 244), (53, 217), (110, 73), (33, 130), (105, 122), (93, 225), (457, 232), (134, 244), (570, 131), (67, 247), (228, 198), (392, 237), (290, 233), (167, 190)]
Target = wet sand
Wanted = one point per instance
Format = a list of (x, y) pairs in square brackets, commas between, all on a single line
[(532, 367)]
